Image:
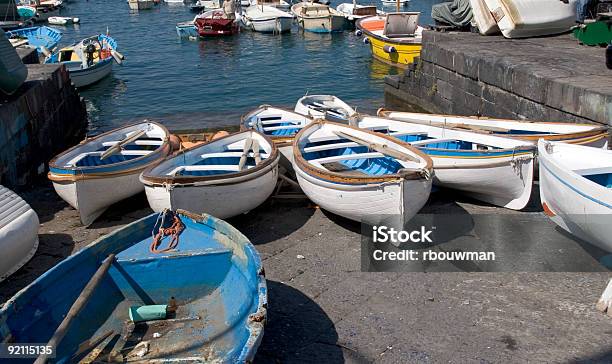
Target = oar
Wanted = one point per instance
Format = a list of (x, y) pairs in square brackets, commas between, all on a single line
[(77, 306), (459, 125), (381, 148), (256, 154), (117, 147), (245, 153)]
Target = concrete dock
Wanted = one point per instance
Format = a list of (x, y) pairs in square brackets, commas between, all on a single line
[(543, 79), (323, 309)]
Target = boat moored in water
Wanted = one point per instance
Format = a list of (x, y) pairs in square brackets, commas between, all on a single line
[(489, 168), (324, 107), (576, 190), (278, 124), (394, 38), (266, 19), (361, 175), (200, 297), (105, 169), (215, 23), (63, 20), (18, 232), (353, 11), (89, 60), (43, 38), (318, 18), (575, 133), (141, 4), (224, 177)]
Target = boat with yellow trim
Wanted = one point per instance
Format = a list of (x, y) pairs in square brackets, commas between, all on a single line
[(489, 168), (394, 38), (104, 170)]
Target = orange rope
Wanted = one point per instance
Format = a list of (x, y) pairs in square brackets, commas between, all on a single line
[(174, 231)]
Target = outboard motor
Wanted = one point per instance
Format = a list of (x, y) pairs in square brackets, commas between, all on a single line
[(90, 49)]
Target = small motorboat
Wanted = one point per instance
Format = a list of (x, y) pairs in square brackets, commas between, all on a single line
[(215, 23), (394, 38), (533, 18), (203, 5), (225, 177), (575, 133), (324, 107), (13, 72), (141, 4), (89, 60), (63, 20), (194, 292), (278, 124), (489, 168), (353, 11), (44, 9), (18, 232), (266, 19), (279, 4), (361, 175), (576, 190), (44, 39), (103, 170), (318, 18)]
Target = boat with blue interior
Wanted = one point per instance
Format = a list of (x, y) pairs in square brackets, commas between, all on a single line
[(44, 39)]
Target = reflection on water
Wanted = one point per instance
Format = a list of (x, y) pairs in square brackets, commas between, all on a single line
[(378, 70), (192, 84)]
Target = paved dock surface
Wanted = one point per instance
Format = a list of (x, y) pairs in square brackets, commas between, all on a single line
[(323, 309)]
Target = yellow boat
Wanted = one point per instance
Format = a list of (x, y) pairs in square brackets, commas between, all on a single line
[(394, 38)]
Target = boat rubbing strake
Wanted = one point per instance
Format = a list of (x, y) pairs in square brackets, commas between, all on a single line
[(225, 177)]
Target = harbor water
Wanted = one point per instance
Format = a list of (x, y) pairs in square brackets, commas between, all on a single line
[(211, 83)]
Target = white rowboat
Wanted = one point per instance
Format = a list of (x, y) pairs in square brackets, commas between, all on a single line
[(62, 20), (318, 18), (104, 170), (361, 175), (324, 107), (18, 232), (267, 19), (278, 124), (576, 190), (585, 134), (489, 168), (224, 178)]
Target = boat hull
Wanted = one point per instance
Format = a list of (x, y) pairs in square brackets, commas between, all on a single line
[(271, 25), (141, 4), (18, 232), (91, 75), (327, 24), (393, 203), (403, 55), (186, 30), (578, 205), (223, 199)]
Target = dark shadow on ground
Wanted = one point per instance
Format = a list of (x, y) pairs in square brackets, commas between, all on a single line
[(52, 249), (603, 357), (273, 220), (123, 212), (44, 201), (299, 331)]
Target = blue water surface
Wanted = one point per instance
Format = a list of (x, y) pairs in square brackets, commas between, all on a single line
[(211, 83)]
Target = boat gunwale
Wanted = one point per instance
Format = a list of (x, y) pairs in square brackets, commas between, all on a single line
[(151, 180), (164, 149), (597, 131), (337, 177)]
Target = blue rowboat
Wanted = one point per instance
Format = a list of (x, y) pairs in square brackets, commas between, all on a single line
[(494, 169), (44, 38), (103, 170), (209, 291)]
